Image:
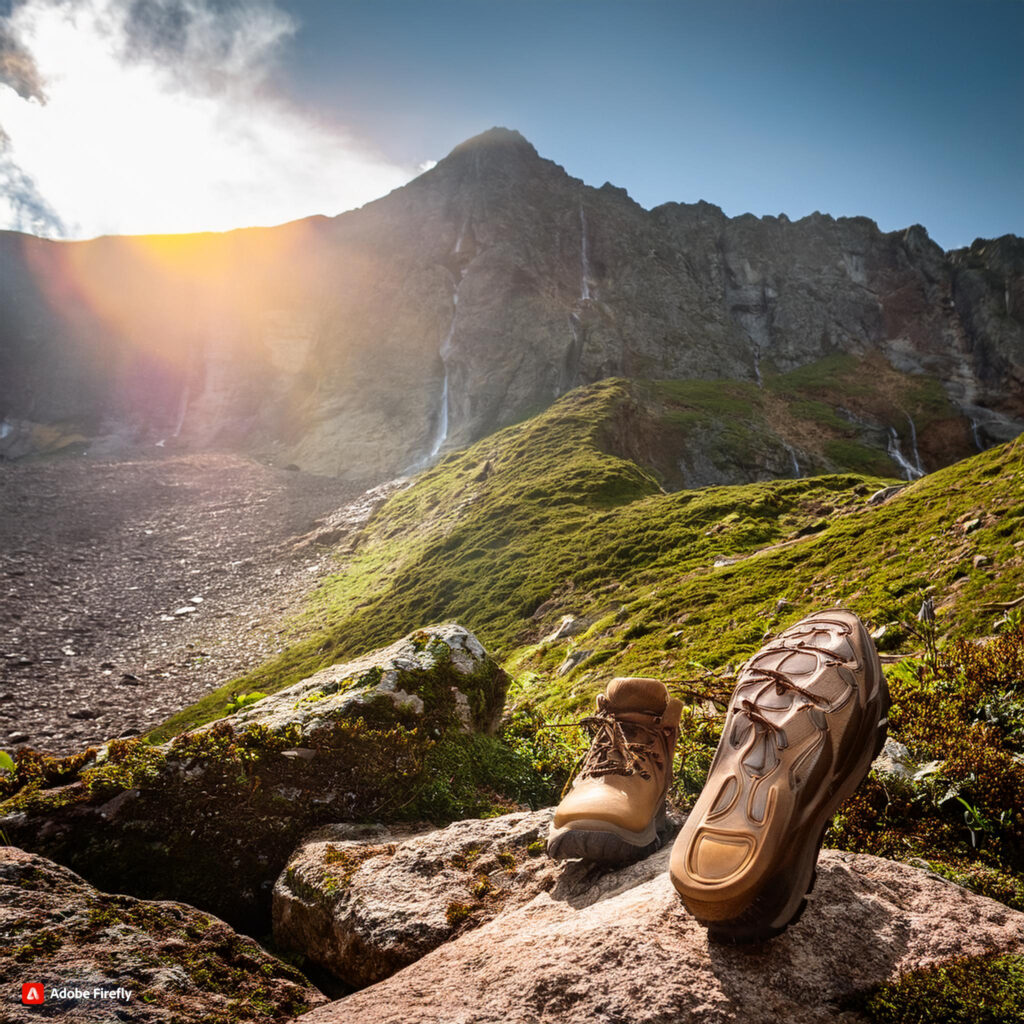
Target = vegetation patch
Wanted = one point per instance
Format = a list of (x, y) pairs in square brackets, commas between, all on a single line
[(962, 810), (985, 989)]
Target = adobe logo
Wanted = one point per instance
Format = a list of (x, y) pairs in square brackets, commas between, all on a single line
[(32, 993)]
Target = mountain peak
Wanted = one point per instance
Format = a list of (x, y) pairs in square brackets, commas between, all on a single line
[(495, 138)]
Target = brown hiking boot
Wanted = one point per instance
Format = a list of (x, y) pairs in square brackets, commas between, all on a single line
[(806, 720), (616, 806)]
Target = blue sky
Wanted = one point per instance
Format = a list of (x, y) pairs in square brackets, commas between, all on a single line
[(907, 111), (904, 111)]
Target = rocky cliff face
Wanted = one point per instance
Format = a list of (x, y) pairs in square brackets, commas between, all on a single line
[(472, 297)]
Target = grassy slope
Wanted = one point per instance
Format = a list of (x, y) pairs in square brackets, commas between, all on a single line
[(822, 411), (541, 520)]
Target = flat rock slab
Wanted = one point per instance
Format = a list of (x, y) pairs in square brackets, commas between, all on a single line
[(623, 950), (366, 901), (176, 964)]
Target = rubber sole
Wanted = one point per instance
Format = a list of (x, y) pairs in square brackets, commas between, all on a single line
[(601, 842), (783, 898)]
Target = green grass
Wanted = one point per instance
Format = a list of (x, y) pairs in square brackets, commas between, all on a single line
[(835, 372), (544, 519)]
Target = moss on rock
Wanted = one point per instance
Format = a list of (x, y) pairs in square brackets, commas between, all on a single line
[(972, 990), (211, 817)]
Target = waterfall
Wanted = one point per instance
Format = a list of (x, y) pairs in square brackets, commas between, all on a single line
[(441, 434), (897, 456), (757, 367), (913, 446), (584, 257), (442, 423), (182, 409), (792, 454), (462, 235), (572, 357), (5, 429), (975, 435)]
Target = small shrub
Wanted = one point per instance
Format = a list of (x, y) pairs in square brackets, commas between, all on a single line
[(456, 912)]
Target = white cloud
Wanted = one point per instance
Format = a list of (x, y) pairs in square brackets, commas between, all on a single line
[(159, 116)]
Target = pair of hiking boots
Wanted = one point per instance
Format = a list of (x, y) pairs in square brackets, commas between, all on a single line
[(807, 718)]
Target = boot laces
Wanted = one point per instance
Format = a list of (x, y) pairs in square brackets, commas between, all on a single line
[(781, 683), (613, 752)]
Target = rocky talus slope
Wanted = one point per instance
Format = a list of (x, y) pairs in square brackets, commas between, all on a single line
[(475, 296), (131, 586)]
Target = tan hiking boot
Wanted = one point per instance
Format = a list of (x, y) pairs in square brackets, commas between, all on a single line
[(806, 720), (616, 806)]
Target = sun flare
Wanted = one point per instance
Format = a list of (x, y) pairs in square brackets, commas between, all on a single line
[(129, 142)]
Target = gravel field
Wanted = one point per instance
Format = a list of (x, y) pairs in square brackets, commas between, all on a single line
[(130, 587)]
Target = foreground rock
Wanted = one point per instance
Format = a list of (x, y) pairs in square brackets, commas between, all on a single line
[(178, 964), (211, 817), (621, 947), (364, 902)]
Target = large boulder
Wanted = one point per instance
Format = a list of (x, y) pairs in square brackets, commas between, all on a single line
[(619, 946), (366, 901), (155, 962), (211, 817)]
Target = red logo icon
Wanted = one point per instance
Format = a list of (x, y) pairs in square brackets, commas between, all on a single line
[(32, 993)]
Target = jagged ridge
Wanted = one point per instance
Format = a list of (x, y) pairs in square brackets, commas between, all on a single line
[(469, 299)]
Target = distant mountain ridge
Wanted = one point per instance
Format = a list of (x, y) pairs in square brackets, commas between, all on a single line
[(368, 344)]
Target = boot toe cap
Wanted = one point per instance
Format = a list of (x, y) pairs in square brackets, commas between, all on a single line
[(601, 803)]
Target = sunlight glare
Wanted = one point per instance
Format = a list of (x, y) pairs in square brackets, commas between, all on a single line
[(123, 146)]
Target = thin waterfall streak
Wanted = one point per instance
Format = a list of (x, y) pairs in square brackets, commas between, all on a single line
[(796, 464), (572, 357), (893, 448), (441, 434), (976, 435), (442, 425), (182, 409), (913, 445), (584, 257)]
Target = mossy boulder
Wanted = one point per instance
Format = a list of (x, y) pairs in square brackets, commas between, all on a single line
[(211, 816)]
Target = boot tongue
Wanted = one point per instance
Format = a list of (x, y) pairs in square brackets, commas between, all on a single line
[(634, 694)]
